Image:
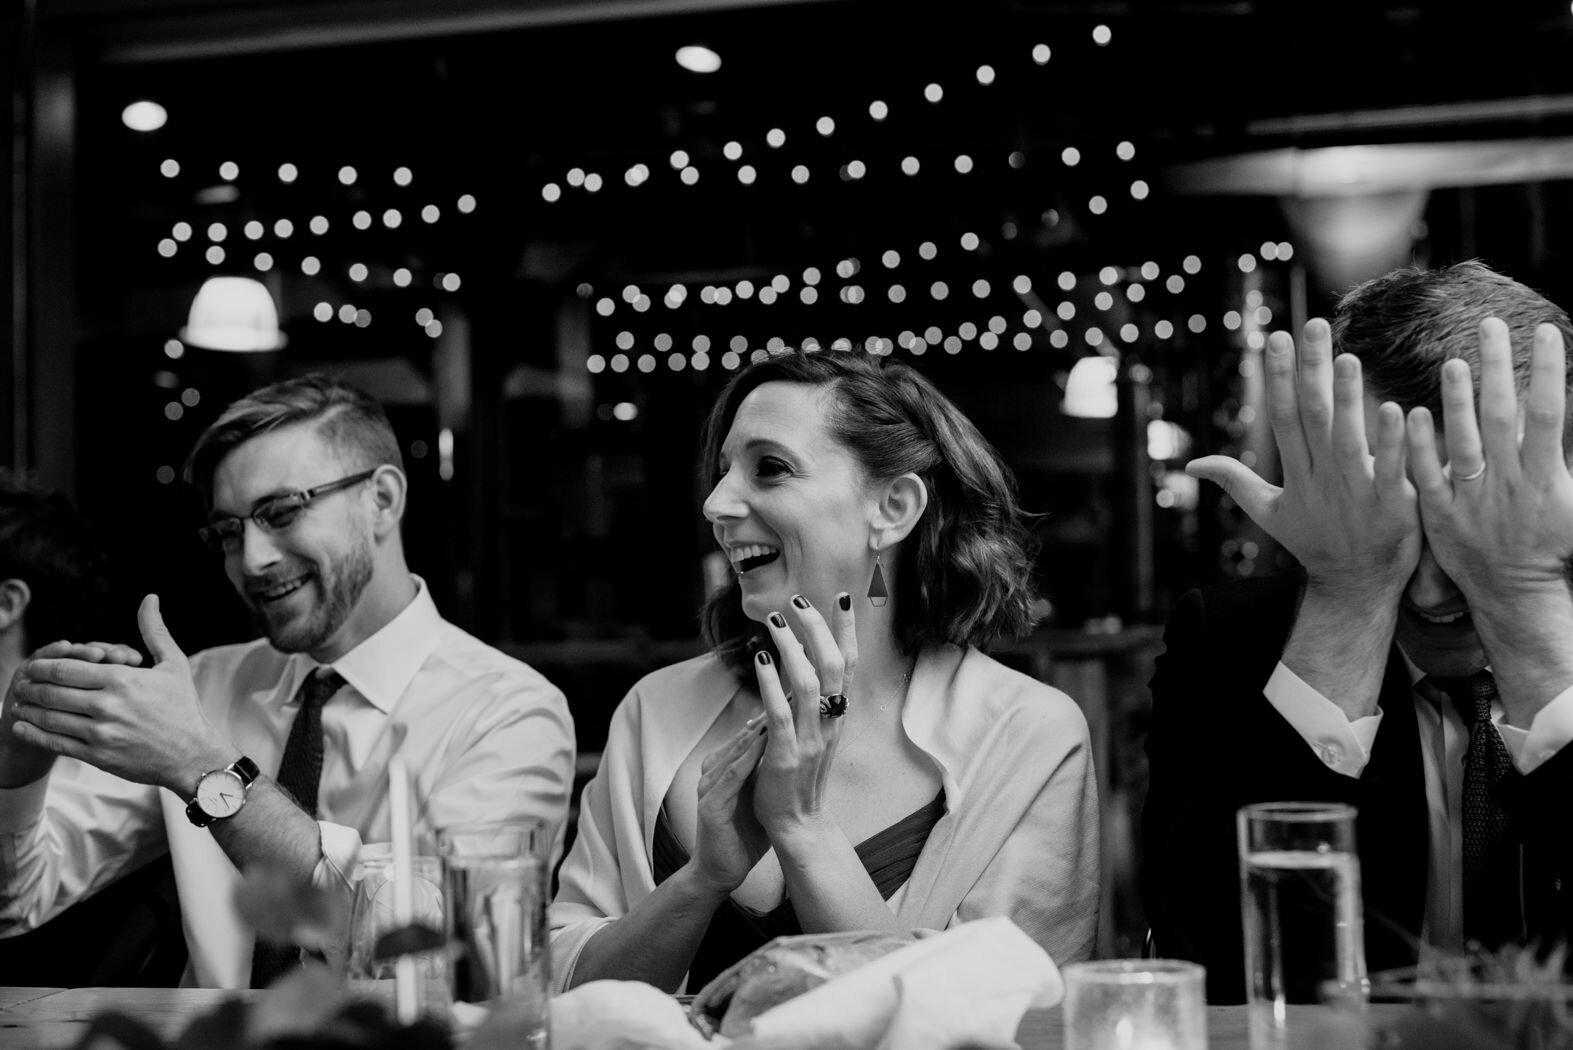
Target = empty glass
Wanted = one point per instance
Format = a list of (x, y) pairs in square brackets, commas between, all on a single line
[(372, 916)]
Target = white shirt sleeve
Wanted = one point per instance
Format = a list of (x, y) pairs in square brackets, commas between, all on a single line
[(1343, 745), (95, 828), (335, 870), (1549, 732)]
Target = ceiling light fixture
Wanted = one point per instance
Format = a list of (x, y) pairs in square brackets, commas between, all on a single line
[(235, 314), (144, 116), (698, 59)]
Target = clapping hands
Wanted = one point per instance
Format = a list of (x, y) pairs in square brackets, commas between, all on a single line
[(767, 784)]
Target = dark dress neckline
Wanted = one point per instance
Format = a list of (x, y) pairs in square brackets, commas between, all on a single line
[(735, 930)]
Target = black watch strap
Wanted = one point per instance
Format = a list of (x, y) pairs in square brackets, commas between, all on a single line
[(244, 768), (197, 815)]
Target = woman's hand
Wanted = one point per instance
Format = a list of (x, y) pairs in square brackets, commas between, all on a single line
[(790, 788), (729, 840)]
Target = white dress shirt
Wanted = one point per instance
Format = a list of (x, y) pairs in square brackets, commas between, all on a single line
[(1344, 745), (485, 736)]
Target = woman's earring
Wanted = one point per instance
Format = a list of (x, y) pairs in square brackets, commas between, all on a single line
[(878, 594)]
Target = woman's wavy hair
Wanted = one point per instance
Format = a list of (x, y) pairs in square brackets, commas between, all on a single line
[(965, 571)]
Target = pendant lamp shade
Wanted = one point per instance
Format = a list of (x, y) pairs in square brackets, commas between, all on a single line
[(1089, 390), (235, 314)]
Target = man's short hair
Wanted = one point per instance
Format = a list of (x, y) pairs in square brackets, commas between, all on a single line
[(1404, 325), (348, 419), (47, 544)]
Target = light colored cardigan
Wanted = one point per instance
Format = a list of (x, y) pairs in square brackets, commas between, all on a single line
[(1019, 836)]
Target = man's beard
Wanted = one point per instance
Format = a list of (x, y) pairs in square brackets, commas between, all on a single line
[(341, 583)]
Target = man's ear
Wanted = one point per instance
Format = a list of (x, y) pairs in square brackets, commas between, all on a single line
[(389, 488), (15, 595), (901, 504)]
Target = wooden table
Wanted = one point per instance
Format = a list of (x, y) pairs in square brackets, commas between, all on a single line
[(54, 1019)]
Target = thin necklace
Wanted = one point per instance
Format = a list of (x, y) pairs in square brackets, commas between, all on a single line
[(906, 678)]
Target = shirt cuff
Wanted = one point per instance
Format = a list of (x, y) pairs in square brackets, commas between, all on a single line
[(340, 852), (1549, 732), (1344, 746), (20, 807)]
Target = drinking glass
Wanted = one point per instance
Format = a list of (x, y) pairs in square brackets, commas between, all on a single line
[(372, 915), (1300, 904), (496, 879), (1135, 1004)]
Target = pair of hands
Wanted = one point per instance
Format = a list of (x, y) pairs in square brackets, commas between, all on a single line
[(94, 702), (1354, 513), (1355, 519), (766, 787)]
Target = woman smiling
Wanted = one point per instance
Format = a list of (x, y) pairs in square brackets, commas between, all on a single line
[(845, 758)]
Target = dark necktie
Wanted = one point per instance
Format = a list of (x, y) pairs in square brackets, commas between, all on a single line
[(1492, 914), (300, 772)]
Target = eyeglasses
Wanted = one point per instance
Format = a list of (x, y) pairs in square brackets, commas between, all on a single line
[(274, 515)]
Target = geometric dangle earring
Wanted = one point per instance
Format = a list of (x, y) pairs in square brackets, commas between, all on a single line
[(878, 594)]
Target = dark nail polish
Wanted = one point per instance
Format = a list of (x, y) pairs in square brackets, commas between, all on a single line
[(845, 601), (800, 601), (777, 620), (763, 658)]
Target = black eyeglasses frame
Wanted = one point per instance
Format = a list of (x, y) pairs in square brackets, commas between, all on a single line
[(218, 534)]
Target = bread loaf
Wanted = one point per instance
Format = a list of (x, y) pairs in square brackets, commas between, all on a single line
[(784, 968)]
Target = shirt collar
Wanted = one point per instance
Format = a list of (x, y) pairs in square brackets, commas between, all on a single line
[(1415, 674), (382, 666)]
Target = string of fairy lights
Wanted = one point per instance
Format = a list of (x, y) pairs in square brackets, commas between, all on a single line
[(1107, 332), (1104, 328), (221, 247)]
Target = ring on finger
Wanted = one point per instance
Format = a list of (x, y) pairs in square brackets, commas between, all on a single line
[(832, 705), (1474, 475)]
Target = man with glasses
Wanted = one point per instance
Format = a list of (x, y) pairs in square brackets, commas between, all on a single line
[(273, 753)]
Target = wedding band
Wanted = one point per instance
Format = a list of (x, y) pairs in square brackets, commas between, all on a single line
[(1474, 475), (833, 705)]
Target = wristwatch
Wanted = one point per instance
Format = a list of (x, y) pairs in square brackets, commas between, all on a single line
[(221, 792)]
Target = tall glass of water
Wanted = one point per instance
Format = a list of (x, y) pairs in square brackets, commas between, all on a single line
[(496, 881), (1300, 901)]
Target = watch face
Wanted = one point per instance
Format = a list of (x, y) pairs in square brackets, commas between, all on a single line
[(220, 793)]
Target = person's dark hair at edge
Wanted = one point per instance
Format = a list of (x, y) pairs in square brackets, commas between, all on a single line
[(348, 419), (1405, 324), (966, 568), (47, 544)]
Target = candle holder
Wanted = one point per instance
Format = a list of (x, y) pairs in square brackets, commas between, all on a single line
[(1135, 1004)]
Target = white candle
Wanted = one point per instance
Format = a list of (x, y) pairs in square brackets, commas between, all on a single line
[(406, 992)]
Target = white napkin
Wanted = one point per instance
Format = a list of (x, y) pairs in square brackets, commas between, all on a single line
[(967, 986), (623, 1015)]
